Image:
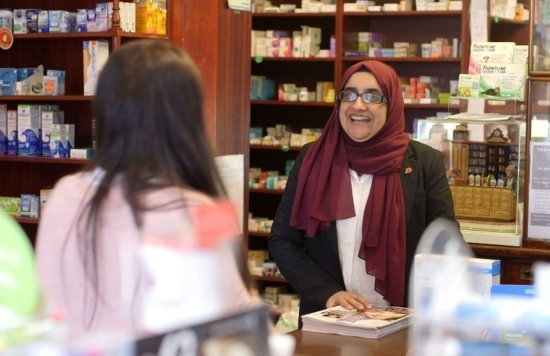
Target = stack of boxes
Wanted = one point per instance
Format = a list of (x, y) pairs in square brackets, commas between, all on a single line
[(35, 130), (32, 81), (145, 16), (274, 43), (420, 90), (497, 70)]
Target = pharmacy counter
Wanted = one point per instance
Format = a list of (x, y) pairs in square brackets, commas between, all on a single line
[(317, 344)]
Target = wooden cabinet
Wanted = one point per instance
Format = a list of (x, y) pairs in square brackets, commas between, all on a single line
[(63, 51)]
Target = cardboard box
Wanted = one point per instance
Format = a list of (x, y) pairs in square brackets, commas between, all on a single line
[(48, 118), (10, 205), (481, 274), (489, 53), (95, 55), (61, 140), (11, 133), (3, 129), (28, 128)]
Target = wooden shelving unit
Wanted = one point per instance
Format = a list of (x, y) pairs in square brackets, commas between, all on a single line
[(27, 175)]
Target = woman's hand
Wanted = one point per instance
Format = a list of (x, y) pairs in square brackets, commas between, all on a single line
[(348, 300)]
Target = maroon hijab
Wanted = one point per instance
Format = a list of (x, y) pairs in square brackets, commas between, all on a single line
[(324, 194)]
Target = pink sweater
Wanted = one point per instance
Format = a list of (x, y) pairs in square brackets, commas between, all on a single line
[(60, 263)]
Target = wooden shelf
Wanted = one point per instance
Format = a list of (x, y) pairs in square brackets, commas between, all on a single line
[(258, 234), (84, 35), (274, 148), (27, 221), (293, 59), (293, 14), (269, 279), (405, 59), (48, 98), (47, 160), (403, 13), (430, 106), (291, 103), (266, 191), (500, 20), (330, 105)]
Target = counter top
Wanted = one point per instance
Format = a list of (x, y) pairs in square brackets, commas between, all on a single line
[(320, 344)]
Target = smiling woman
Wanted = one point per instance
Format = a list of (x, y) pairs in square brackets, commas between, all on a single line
[(362, 119), (358, 199)]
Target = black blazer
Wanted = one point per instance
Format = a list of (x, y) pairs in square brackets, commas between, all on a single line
[(312, 265)]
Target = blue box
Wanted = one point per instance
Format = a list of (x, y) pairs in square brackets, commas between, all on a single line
[(28, 127), (8, 77), (520, 290), (11, 133), (3, 129)]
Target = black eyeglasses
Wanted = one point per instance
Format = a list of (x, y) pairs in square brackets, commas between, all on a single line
[(350, 96)]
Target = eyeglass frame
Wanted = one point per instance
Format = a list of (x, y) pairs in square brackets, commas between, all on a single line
[(383, 98)]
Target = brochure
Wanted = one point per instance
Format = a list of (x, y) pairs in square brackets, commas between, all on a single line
[(373, 323)]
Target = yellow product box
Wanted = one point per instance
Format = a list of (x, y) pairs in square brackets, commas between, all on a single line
[(146, 16)]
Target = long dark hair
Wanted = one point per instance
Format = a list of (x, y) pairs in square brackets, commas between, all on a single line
[(149, 117)]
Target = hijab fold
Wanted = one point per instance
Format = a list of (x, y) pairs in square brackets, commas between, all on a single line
[(324, 192)]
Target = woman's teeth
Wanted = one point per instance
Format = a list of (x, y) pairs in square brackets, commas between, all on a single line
[(359, 118)]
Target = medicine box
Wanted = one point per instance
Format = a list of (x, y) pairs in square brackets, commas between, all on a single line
[(30, 206), (8, 77), (3, 129), (61, 21), (44, 196), (54, 21), (10, 205), (102, 16), (32, 20), (81, 153), (146, 16), (468, 85), (90, 20), (481, 274), (19, 21), (28, 128), (95, 54), (49, 118), (43, 21), (60, 75), (502, 81), (81, 20), (61, 140), (489, 53), (33, 85), (11, 133), (50, 85)]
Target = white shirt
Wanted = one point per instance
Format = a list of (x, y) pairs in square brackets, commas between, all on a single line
[(350, 235)]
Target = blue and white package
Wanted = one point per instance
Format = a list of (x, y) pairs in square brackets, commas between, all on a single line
[(28, 128), (24, 73), (3, 129), (49, 118), (11, 133), (61, 140), (43, 21), (30, 205), (8, 77)]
